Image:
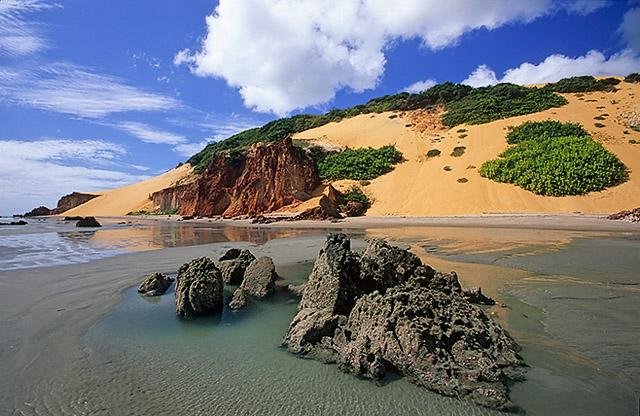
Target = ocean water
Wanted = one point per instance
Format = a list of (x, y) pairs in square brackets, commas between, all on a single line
[(579, 339)]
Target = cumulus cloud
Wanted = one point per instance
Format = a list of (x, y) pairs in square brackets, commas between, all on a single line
[(420, 86), (18, 36), (40, 171), (71, 89), (289, 54), (630, 28), (556, 67)]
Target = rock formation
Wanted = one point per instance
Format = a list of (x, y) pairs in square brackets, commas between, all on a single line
[(325, 210), (64, 204), (629, 216), (260, 179), (199, 288), (155, 285), (88, 222), (259, 282), (233, 264), (386, 311)]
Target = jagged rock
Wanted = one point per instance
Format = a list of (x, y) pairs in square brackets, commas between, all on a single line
[(155, 285), (629, 216), (259, 282), (334, 195), (296, 289), (199, 288), (387, 311), (475, 295), (88, 222), (260, 179), (73, 218), (355, 209), (233, 264)]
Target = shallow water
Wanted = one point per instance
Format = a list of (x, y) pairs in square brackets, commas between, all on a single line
[(233, 365)]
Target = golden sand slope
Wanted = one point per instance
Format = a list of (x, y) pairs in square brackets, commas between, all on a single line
[(421, 187), (129, 198)]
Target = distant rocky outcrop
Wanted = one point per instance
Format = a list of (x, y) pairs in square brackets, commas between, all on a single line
[(199, 288), (155, 285), (65, 203), (38, 212), (233, 264), (629, 216), (88, 222), (257, 180), (386, 311), (259, 282), (21, 222), (70, 201)]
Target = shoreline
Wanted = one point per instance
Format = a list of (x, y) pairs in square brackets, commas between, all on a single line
[(545, 221)]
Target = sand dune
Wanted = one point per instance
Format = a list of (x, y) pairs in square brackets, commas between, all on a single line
[(421, 187), (129, 198)]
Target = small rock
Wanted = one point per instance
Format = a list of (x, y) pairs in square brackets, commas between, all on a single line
[(259, 282), (199, 288), (88, 222), (475, 295), (155, 285), (233, 264)]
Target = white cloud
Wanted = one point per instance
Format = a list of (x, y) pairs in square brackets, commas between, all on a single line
[(70, 89), (481, 77), (420, 86), (190, 149), (19, 37), (630, 28), (584, 7), (149, 134), (38, 172), (288, 54), (556, 67)]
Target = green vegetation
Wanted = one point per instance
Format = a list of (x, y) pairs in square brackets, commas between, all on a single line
[(355, 194), (633, 77), (463, 180), (585, 83), (433, 153), (486, 104), (156, 212), (359, 164), (599, 125), (462, 103), (543, 129), (553, 164), (461, 131)]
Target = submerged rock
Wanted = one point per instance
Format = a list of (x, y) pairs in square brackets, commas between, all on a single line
[(155, 285), (386, 311), (259, 282), (199, 288), (88, 222), (296, 289), (233, 264)]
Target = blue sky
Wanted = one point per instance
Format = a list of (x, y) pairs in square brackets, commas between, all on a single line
[(98, 94)]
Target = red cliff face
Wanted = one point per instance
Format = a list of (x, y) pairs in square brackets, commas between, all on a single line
[(258, 180)]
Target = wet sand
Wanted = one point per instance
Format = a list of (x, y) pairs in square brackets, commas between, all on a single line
[(46, 312)]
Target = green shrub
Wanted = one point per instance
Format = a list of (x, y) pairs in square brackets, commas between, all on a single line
[(557, 166), (486, 104), (543, 129), (599, 125), (355, 194), (585, 83), (359, 164), (633, 77), (433, 153)]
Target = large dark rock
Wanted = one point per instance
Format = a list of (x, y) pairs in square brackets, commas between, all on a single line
[(155, 285), (88, 222), (38, 212), (199, 288), (259, 282), (355, 209), (386, 311), (233, 264)]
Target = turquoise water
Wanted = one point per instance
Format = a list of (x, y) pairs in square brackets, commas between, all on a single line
[(579, 340)]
